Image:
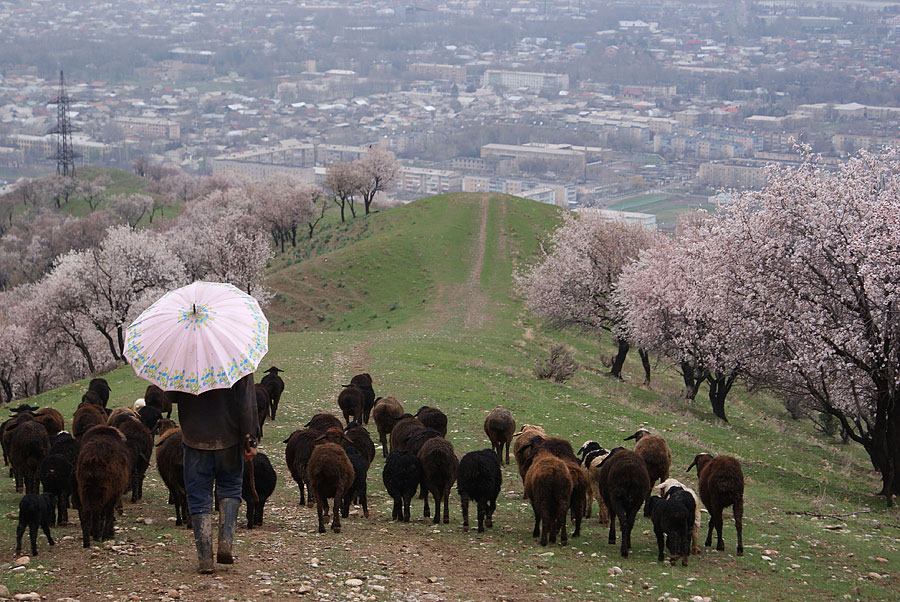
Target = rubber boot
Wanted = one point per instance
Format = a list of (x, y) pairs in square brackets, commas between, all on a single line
[(203, 541), (228, 512)]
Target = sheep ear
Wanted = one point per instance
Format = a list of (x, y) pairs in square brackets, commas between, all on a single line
[(631, 437), (694, 463)]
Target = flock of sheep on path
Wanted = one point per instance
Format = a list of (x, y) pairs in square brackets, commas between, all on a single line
[(108, 452)]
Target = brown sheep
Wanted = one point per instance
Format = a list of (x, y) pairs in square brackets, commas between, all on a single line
[(52, 420), (522, 439), (28, 445), (439, 469), (624, 485), (120, 414), (357, 436), (433, 418), (352, 400), (581, 486), (386, 412), (499, 427), (655, 452), (548, 484), (330, 476), (157, 398), (296, 454), (140, 445), (406, 426), (102, 473), (721, 485), (299, 449), (86, 416), (323, 422), (170, 465)]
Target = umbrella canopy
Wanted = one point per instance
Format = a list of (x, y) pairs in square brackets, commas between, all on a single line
[(203, 336)]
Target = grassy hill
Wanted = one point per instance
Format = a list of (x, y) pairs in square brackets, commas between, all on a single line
[(420, 296)]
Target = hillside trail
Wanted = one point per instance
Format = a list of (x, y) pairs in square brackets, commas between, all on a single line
[(465, 305)]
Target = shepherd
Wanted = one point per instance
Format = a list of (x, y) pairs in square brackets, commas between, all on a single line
[(201, 344)]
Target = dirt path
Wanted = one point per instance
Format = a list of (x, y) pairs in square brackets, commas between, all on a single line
[(465, 305)]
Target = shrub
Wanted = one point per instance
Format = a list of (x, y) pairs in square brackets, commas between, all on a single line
[(560, 366)]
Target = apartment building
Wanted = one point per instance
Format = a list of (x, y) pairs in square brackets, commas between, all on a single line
[(525, 79), (435, 71), (150, 127)]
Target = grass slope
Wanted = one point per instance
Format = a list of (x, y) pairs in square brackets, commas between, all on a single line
[(459, 340)]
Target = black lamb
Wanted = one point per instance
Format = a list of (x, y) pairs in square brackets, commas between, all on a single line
[(358, 488), (35, 510), (56, 477), (265, 480), (479, 479), (673, 520)]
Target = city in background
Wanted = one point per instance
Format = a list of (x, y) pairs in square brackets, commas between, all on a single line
[(646, 107)]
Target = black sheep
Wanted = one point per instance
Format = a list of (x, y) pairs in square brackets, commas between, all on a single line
[(155, 397), (150, 418), (275, 386), (352, 402), (357, 436), (170, 465), (358, 488), (402, 475), (265, 480), (35, 510), (64, 444), (28, 445), (433, 418), (262, 405), (439, 468), (56, 477), (479, 479), (101, 388), (673, 521), (363, 382)]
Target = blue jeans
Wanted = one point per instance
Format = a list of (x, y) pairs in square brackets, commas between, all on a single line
[(202, 467)]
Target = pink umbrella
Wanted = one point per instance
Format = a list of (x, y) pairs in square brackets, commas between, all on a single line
[(203, 336)]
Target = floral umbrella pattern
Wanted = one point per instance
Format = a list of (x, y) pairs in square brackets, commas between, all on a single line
[(203, 336)]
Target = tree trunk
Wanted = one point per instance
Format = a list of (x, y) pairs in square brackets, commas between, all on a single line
[(7, 390), (619, 360), (645, 362), (120, 333), (719, 386), (112, 344), (87, 356), (693, 377)]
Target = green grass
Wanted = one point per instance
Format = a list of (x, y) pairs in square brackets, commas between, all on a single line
[(417, 256)]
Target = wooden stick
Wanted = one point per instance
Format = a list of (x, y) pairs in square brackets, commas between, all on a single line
[(253, 493)]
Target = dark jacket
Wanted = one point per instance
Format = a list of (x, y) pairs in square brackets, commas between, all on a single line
[(219, 418)]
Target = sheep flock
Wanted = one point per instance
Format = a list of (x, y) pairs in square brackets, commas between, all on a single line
[(107, 453)]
